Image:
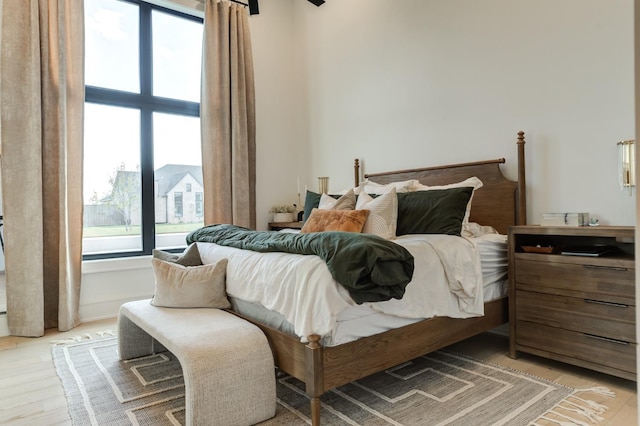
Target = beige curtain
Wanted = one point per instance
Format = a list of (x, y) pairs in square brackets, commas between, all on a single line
[(227, 115), (41, 103)]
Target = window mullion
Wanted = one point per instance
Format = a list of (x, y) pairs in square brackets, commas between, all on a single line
[(146, 168), (146, 53), (146, 129)]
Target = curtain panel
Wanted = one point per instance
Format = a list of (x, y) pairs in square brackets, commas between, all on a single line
[(227, 116), (41, 103)]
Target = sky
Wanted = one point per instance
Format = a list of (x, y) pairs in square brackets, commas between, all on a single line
[(112, 134)]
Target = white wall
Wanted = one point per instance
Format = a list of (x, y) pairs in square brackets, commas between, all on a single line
[(413, 83), (107, 284), (281, 139)]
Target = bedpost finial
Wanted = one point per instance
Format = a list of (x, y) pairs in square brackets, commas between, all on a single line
[(520, 137)]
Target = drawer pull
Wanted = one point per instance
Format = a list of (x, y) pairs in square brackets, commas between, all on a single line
[(606, 339), (610, 268), (600, 302)]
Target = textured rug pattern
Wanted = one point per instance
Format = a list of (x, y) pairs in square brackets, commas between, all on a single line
[(438, 389)]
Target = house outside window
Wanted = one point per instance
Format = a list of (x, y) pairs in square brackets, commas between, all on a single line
[(199, 204), (142, 127), (177, 204)]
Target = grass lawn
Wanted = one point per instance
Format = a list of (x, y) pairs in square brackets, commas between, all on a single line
[(161, 228)]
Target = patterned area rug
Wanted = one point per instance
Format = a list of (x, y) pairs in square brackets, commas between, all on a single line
[(441, 388)]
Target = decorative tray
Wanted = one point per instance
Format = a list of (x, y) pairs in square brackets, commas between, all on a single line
[(539, 249)]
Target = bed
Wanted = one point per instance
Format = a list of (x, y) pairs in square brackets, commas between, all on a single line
[(500, 203)]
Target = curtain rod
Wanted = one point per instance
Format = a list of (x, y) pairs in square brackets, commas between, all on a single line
[(253, 6)]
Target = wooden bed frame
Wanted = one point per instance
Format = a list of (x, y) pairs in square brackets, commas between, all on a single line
[(499, 203)]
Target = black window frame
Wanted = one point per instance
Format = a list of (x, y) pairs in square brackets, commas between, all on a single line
[(147, 104)]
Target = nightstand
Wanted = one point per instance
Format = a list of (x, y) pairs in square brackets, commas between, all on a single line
[(276, 226), (577, 307)]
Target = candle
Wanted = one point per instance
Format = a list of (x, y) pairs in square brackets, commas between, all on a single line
[(298, 185)]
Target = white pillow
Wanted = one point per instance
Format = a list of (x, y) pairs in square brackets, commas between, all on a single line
[(345, 202), (383, 214), (475, 230), (377, 188), (473, 182)]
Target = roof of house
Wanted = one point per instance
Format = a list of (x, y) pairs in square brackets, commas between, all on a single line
[(169, 175)]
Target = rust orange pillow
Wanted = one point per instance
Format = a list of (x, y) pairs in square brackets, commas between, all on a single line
[(335, 220)]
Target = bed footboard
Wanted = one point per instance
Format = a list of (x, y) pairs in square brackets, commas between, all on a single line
[(322, 369)]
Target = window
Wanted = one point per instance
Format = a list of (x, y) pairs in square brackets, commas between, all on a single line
[(199, 205), (177, 204), (142, 128)]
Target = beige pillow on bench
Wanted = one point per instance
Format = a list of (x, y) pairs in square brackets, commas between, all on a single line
[(180, 286)]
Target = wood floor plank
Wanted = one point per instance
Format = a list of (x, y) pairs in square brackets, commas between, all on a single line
[(32, 394)]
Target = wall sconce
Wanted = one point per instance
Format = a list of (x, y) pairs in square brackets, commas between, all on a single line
[(627, 165)]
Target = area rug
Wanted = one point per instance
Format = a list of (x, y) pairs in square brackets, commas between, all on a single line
[(441, 388)]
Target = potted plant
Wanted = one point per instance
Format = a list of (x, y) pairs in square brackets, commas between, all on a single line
[(283, 212)]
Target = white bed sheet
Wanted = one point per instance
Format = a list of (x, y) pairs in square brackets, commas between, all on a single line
[(272, 280), (362, 321)]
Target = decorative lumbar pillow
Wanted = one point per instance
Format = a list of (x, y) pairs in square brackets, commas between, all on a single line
[(383, 213), (347, 201), (180, 286), (189, 257), (473, 182), (433, 212), (312, 200), (335, 220)]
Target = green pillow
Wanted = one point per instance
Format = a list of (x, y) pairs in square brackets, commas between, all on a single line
[(432, 212)]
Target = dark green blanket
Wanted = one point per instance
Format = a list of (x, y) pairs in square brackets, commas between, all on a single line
[(371, 268)]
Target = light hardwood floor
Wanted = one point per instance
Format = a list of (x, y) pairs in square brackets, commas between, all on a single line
[(31, 393)]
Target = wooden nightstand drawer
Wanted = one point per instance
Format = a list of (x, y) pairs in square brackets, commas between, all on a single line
[(573, 308), (614, 321), (611, 284), (578, 346)]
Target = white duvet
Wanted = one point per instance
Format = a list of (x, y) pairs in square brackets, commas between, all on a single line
[(447, 281)]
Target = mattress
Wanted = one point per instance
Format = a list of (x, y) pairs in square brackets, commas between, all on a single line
[(455, 294)]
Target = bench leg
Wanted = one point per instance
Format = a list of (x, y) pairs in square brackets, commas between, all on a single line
[(236, 389), (133, 342)]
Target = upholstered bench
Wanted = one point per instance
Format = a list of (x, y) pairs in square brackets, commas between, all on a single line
[(228, 367)]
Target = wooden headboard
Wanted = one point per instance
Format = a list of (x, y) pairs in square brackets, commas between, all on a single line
[(500, 202)]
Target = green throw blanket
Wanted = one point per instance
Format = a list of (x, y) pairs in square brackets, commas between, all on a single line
[(371, 268)]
